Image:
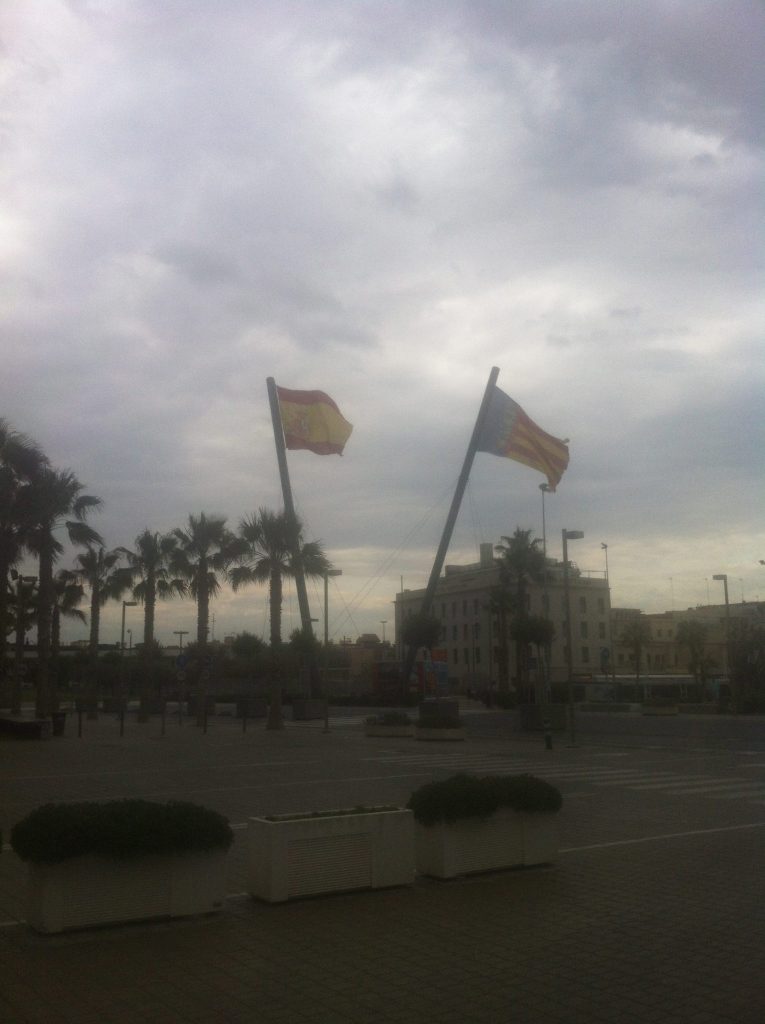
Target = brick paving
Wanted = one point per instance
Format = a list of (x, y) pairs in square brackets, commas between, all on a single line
[(670, 930)]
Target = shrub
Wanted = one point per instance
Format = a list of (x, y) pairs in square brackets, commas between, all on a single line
[(119, 829), (471, 796)]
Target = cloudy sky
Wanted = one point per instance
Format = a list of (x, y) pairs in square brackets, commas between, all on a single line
[(384, 200)]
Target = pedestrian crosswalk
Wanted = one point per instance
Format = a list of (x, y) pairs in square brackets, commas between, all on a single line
[(660, 781)]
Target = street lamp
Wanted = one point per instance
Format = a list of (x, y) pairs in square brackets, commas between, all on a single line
[(545, 489), (723, 578), (567, 536), (125, 604), (383, 623)]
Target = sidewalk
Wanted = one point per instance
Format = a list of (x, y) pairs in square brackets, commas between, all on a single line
[(662, 923), (611, 935)]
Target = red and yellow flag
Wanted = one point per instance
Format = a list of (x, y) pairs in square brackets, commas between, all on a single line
[(311, 420), (510, 433)]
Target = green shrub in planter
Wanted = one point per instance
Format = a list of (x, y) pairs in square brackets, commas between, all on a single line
[(471, 796), (118, 829)]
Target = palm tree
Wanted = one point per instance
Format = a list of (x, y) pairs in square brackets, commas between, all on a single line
[(522, 561), (97, 567), (203, 553), (693, 634), (151, 579), (268, 541), (266, 555), (68, 592), (52, 497), (23, 618), (635, 635), (20, 459)]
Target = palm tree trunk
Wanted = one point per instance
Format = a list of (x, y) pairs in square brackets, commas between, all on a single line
[(147, 679), (275, 716), (55, 646), (203, 618), (45, 598), (95, 627), (5, 668)]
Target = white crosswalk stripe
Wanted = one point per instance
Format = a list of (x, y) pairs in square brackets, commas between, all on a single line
[(662, 782)]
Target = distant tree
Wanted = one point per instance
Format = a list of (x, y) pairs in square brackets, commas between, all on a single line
[(247, 647), (20, 460), (68, 594), (151, 580), (692, 635), (99, 570), (748, 668), (635, 636), (522, 562), (267, 542), (205, 549), (536, 631), (53, 501)]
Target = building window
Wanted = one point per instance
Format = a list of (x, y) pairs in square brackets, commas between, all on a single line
[(465, 631), (466, 655), (601, 605), (583, 630), (601, 631), (582, 604), (443, 611), (456, 657), (546, 603), (454, 632), (476, 630), (442, 637), (464, 607), (585, 655), (454, 609), (477, 655), (476, 606)]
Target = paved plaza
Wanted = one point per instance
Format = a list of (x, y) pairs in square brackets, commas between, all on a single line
[(655, 910)]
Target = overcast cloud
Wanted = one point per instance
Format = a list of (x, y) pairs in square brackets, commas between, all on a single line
[(383, 200)]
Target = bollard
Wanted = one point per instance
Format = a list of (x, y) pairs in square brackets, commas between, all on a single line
[(548, 734)]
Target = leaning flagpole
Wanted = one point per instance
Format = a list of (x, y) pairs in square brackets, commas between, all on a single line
[(289, 506), (451, 519)]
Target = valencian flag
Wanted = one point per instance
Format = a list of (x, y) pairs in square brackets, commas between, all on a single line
[(510, 433), (311, 420)]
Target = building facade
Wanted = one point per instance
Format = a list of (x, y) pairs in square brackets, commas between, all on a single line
[(470, 628)]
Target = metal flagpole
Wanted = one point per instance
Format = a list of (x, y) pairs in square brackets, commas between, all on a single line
[(289, 508), (451, 519)]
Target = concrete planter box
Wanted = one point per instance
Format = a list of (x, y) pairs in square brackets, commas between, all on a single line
[(431, 732), (392, 731), (505, 840), (305, 856), (88, 891)]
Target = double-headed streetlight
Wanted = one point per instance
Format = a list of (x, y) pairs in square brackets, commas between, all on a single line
[(567, 536)]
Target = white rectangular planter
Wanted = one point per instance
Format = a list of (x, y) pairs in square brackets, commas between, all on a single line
[(86, 891), (507, 839), (307, 856)]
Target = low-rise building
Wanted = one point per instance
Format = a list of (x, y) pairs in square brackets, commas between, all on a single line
[(470, 624)]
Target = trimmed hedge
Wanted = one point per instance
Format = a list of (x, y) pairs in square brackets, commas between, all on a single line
[(471, 796), (118, 829)]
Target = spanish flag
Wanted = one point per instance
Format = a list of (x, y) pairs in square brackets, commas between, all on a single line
[(310, 419), (508, 432)]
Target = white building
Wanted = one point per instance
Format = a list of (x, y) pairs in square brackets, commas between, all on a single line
[(470, 637)]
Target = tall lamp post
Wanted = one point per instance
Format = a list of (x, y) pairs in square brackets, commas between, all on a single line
[(567, 536), (545, 489), (723, 578), (125, 604)]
